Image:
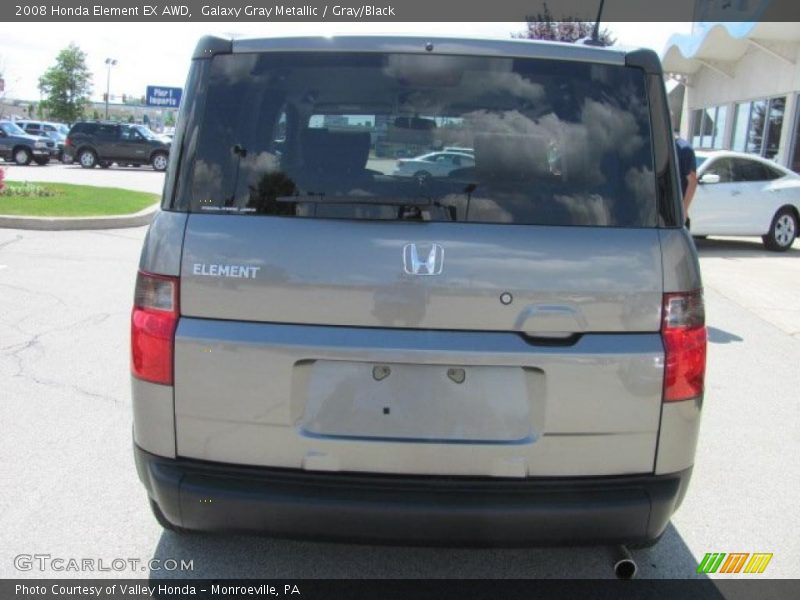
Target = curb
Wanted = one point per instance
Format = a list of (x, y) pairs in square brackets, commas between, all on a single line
[(139, 219)]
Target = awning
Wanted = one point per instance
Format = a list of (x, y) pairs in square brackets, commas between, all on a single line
[(719, 46)]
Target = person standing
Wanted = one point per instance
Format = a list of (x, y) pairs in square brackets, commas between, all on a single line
[(687, 166)]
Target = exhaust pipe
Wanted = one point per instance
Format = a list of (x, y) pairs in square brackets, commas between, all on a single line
[(624, 565)]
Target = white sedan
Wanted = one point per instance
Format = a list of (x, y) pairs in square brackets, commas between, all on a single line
[(433, 164), (742, 194)]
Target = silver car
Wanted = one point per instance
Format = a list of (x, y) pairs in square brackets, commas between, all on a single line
[(513, 353), (439, 164)]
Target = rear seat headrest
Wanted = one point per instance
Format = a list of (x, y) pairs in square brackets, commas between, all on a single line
[(335, 151)]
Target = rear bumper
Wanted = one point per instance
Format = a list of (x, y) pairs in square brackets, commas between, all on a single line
[(412, 510)]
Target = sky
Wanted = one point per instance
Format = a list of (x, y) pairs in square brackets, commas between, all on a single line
[(159, 53)]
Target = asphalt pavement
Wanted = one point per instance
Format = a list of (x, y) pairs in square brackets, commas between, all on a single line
[(142, 179), (69, 488)]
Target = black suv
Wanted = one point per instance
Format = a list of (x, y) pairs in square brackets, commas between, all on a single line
[(102, 143)]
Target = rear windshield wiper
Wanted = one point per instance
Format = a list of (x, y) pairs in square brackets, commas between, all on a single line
[(407, 208), (376, 200)]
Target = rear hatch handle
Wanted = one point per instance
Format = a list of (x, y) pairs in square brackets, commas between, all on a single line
[(551, 323)]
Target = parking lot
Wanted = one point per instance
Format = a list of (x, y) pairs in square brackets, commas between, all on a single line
[(141, 179), (71, 491)]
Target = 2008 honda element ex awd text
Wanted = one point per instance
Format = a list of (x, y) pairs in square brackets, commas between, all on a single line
[(508, 350)]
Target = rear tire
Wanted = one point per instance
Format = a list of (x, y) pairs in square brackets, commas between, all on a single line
[(87, 159), (162, 520), (422, 177), (22, 156), (42, 161), (159, 161), (782, 231), (104, 164)]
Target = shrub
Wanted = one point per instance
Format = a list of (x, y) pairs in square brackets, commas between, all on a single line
[(26, 190)]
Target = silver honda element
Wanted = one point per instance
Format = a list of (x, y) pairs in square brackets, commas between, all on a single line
[(502, 342)]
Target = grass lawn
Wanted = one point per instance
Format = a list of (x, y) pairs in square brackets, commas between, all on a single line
[(32, 199)]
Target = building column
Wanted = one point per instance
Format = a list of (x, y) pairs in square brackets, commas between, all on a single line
[(686, 113), (727, 135)]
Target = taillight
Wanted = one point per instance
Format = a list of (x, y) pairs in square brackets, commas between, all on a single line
[(68, 142), (683, 330), (153, 322)]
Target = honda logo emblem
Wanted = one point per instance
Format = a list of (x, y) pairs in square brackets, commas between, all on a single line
[(423, 259)]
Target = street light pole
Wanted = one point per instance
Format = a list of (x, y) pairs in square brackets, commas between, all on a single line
[(110, 62)]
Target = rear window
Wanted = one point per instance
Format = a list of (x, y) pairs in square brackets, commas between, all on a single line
[(83, 128), (427, 138)]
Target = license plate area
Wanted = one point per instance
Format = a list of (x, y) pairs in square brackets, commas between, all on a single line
[(447, 403)]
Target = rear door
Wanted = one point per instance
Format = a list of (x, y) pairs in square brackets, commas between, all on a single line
[(132, 146), (106, 139), (500, 320), (760, 198)]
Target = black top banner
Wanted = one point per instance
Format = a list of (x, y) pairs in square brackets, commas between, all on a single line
[(396, 10)]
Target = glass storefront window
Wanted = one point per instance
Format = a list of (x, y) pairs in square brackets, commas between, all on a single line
[(773, 126), (719, 127), (756, 126), (755, 131)]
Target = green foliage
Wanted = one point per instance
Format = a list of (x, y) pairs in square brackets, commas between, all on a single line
[(25, 189), (169, 120), (67, 85)]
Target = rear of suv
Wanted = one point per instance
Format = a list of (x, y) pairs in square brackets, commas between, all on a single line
[(509, 353), (98, 143)]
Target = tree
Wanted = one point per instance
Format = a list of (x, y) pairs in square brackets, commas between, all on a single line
[(66, 85), (543, 27)]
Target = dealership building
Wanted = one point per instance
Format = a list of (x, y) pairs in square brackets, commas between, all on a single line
[(736, 86)]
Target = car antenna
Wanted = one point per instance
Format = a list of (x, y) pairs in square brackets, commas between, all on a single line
[(595, 39)]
